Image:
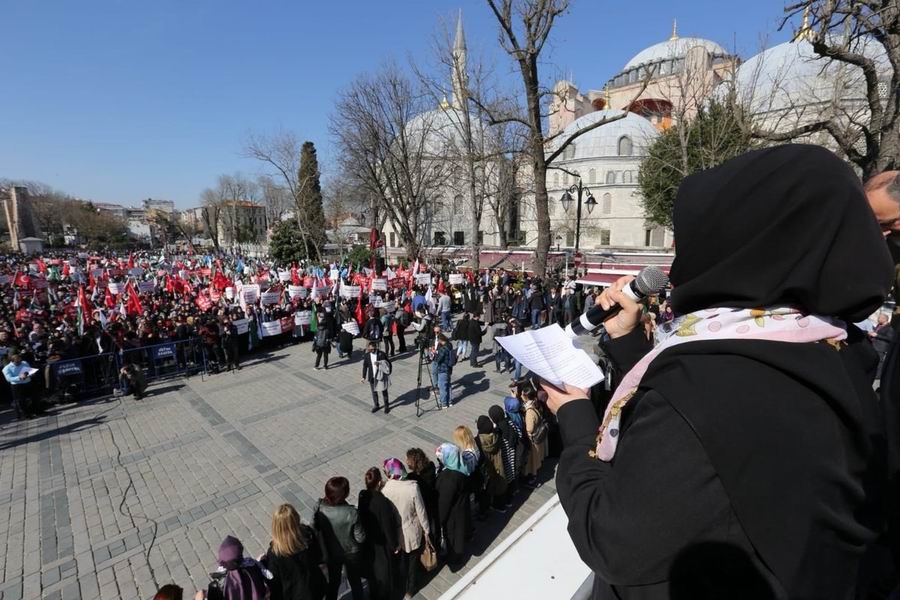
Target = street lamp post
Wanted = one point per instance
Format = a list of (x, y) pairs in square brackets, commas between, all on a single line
[(558, 240), (566, 201)]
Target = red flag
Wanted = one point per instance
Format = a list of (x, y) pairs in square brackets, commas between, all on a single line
[(65, 269), (360, 318), (131, 261), (133, 306), (295, 277), (440, 287), (108, 299), (42, 268)]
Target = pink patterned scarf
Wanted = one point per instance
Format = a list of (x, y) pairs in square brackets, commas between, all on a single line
[(775, 324)]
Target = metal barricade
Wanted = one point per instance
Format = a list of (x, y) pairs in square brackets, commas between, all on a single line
[(167, 360), (81, 378)]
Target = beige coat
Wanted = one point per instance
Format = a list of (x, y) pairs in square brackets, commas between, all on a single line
[(407, 499), (538, 451)]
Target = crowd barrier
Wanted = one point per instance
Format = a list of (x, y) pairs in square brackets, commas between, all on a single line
[(98, 375)]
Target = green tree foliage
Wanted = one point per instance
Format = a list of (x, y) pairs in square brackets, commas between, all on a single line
[(709, 139), (286, 244), (360, 255), (309, 198)]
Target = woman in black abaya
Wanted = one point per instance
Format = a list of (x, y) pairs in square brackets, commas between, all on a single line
[(737, 457)]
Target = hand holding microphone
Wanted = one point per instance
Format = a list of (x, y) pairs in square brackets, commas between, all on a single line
[(620, 300)]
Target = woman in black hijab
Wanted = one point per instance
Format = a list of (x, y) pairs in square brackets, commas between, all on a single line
[(737, 459)]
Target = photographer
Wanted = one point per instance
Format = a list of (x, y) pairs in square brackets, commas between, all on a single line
[(443, 368)]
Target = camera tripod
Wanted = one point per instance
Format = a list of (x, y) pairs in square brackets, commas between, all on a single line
[(437, 401)]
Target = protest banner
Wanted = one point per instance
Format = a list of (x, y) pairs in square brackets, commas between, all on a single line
[(270, 298), (379, 284), (302, 318), (423, 278), (296, 291), (229, 293), (4, 279), (351, 327), (349, 291), (284, 276), (146, 287), (456, 279), (136, 272), (242, 325), (115, 288), (270, 328), (250, 293), (320, 292)]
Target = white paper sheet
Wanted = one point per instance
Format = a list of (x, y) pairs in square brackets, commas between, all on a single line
[(551, 354)]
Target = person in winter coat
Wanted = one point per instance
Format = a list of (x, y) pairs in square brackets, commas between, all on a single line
[(377, 371), (758, 399), (414, 526), (345, 343), (493, 489), (516, 420), (536, 306), (245, 578), (509, 442), (461, 337), (373, 330), (387, 323), (475, 334), (293, 558), (554, 307), (422, 470), (341, 535), (382, 542), (453, 503), (536, 430), (325, 332)]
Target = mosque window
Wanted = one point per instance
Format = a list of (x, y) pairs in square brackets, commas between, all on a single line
[(459, 238), (457, 203), (606, 204), (604, 237), (569, 152), (592, 176), (393, 240), (440, 238), (570, 238), (625, 146), (632, 76), (556, 179), (627, 177), (611, 177), (664, 68)]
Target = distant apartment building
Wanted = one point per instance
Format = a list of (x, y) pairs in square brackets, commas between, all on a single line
[(166, 206), (241, 222)]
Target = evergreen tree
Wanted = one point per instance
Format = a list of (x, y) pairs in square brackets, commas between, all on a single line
[(286, 244), (709, 139), (309, 200)]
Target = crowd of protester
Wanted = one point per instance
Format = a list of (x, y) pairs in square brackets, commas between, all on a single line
[(412, 514)]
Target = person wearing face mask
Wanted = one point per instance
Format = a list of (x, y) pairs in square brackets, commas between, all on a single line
[(377, 371)]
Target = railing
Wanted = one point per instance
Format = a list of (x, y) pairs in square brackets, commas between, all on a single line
[(169, 359), (85, 377)]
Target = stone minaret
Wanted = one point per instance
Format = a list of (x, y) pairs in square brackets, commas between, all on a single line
[(459, 76)]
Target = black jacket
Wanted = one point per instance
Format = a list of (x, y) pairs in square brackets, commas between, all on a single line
[(764, 491), (296, 577), (475, 331), (368, 373)]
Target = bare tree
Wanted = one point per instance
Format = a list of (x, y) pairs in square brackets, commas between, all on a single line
[(274, 196), (280, 152), (859, 40), (385, 131), (525, 27)]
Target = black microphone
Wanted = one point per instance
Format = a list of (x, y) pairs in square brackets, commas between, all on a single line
[(649, 282)]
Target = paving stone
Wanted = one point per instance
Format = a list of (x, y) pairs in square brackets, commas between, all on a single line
[(211, 457)]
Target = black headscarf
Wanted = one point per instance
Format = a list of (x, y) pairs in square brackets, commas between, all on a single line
[(784, 226)]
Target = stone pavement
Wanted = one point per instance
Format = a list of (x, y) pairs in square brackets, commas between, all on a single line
[(112, 498)]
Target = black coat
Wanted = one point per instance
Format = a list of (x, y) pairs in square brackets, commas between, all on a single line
[(453, 501), (368, 373), (475, 333), (296, 577), (427, 481), (381, 522), (765, 448)]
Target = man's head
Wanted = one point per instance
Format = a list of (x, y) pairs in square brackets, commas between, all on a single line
[(16, 358), (372, 347), (883, 193), (882, 318), (442, 339)]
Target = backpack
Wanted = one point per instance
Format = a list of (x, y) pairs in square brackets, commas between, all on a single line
[(540, 431), (322, 340), (404, 319), (375, 330)]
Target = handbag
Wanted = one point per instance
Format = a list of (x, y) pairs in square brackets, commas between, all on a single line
[(429, 556)]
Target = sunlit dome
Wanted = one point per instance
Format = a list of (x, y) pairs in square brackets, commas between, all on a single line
[(434, 131), (604, 140), (675, 48), (792, 75)]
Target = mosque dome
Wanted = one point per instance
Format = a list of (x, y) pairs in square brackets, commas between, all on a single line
[(792, 75), (672, 49), (435, 131), (605, 140)]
